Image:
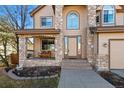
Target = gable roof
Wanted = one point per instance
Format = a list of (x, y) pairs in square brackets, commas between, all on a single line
[(99, 7), (36, 9)]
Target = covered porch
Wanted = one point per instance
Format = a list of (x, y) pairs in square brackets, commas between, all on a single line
[(39, 47)]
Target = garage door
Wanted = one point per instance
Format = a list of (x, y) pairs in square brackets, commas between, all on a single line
[(116, 54)]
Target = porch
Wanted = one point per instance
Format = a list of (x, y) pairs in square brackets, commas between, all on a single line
[(39, 47)]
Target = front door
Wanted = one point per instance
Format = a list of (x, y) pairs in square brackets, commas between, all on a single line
[(72, 47)]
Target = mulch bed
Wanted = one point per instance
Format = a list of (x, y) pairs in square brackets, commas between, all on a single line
[(113, 78), (38, 71)]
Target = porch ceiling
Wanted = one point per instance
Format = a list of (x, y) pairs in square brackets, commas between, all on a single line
[(38, 32), (38, 8)]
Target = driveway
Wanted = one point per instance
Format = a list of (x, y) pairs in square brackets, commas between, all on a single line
[(80, 78)]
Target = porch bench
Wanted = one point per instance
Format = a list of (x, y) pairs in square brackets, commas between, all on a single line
[(45, 54)]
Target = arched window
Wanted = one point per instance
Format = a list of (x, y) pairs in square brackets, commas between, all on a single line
[(73, 20), (108, 14)]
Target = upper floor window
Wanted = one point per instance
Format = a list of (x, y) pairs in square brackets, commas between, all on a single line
[(108, 14), (73, 20), (46, 22)]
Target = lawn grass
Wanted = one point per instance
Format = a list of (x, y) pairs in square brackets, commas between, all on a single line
[(6, 82)]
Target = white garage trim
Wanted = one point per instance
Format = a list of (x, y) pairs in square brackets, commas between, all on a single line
[(116, 53)]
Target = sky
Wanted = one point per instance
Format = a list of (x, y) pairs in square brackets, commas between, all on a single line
[(13, 7)]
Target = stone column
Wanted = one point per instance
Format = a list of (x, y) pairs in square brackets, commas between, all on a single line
[(22, 51), (58, 17), (37, 44), (90, 37), (59, 25)]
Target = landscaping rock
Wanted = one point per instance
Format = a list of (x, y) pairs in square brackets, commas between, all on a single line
[(112, 78), (37, 71)]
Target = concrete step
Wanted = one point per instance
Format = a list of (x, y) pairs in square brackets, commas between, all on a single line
[(83, 68), (76, 67), (74, 60), (75, 64)]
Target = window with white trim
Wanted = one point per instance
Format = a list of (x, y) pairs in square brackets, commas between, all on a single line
[(108, 14), (46, 22), (73, 20)]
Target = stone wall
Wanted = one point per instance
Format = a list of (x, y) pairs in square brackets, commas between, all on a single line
[(58, 17), (59, 25), (102, 63), (90, 37), (24, 62), (22, 51)]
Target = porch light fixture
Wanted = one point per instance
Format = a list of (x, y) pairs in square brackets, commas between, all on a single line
[(105, 45), (92, 46)]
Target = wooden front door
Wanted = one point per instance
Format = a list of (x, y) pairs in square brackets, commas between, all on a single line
[(72, 47)]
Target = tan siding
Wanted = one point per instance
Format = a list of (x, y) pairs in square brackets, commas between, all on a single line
[(82, 10), (104, 38), (45, 11), (119, 18)]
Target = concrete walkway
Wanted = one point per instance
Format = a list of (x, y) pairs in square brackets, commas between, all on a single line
[(80, 78), (119, 72)]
